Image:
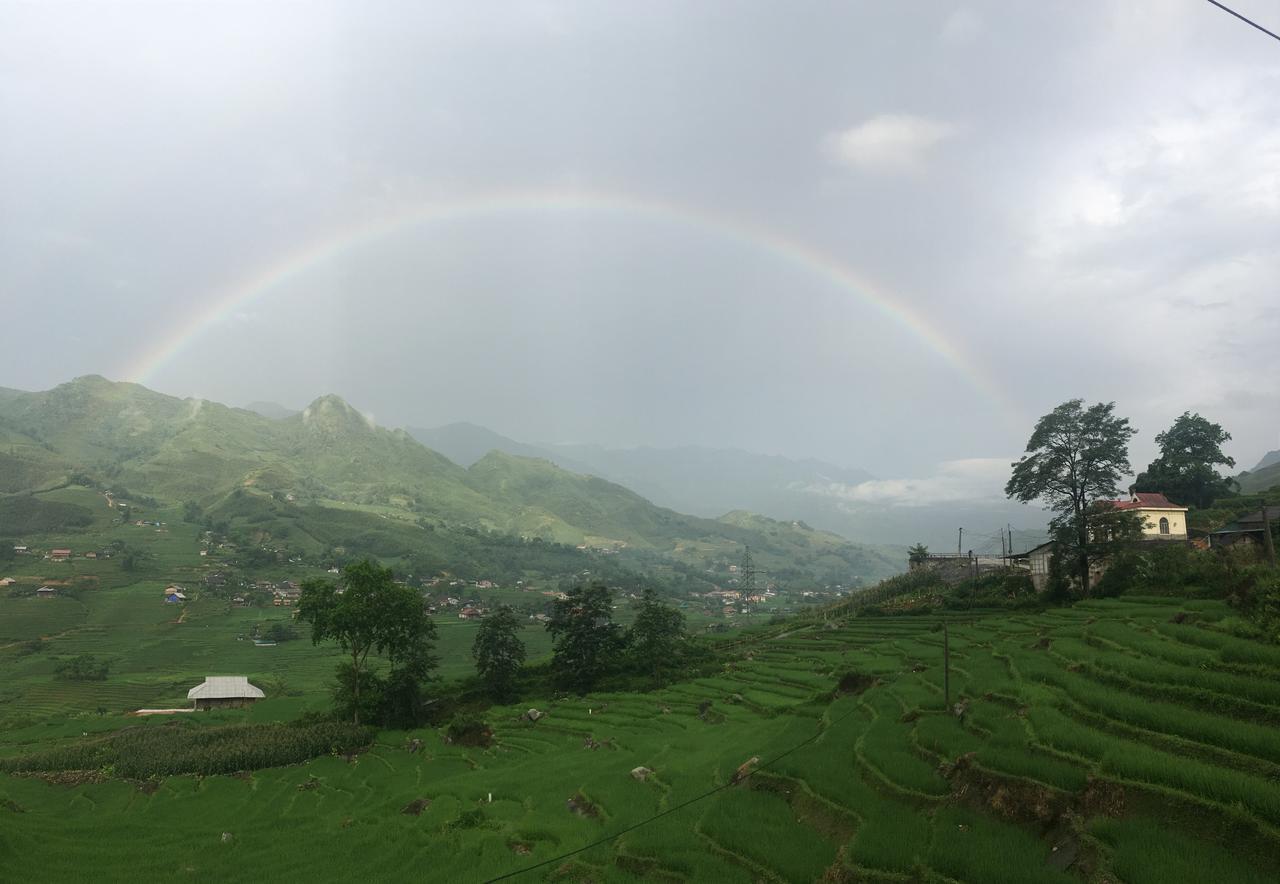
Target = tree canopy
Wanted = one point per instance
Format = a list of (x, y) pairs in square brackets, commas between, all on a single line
[(657, 638), (367, 611), (1184, 470), (585, 640), (499, 652), (1073, 461)]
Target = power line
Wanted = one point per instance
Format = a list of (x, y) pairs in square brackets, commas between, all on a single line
[(1248, 21), (657, 816)]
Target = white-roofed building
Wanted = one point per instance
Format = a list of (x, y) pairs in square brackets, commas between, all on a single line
[(222, 691)]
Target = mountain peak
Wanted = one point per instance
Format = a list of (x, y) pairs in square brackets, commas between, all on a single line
[(332, 412)]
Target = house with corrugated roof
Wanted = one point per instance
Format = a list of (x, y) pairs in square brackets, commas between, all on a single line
[(224, 691), (1246, 529)]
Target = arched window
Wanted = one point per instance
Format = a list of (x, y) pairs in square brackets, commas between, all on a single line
[(1164, 525)]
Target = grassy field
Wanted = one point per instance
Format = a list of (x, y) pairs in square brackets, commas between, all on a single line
[(1099, 742)]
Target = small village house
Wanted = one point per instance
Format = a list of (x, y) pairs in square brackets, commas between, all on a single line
[(59, 555), (1246, 529), (7, 581), (47, 592), (224, 691)]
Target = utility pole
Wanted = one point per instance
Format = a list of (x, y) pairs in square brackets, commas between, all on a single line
[(1266, 537), (960, 544)]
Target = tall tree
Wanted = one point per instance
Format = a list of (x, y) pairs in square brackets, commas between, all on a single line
[(1184, 470), (657, 636), (585, 640), (367, 611), (1074, 459), (499, 652), (918, 554)]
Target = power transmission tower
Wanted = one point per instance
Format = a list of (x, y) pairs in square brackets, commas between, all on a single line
[(746, 576)]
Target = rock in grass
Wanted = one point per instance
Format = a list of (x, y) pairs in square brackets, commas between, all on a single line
[(227, 837), (416, 806), (641, 773)]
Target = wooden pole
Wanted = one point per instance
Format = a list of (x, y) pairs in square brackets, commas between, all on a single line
[(1266, 537), (946, 667)]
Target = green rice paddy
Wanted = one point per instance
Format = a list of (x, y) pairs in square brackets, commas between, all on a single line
[(1098, 742)]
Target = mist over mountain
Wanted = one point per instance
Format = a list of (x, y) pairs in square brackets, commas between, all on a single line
[(711, 481)]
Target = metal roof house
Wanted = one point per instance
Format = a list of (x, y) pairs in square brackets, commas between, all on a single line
[(223, 691)]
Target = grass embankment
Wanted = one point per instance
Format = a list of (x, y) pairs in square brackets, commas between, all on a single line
[(1078, 756)]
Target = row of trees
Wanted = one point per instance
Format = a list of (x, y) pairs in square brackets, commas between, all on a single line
[(587, 645), (366, 612)]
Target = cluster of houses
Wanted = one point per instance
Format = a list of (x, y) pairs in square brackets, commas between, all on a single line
[(62, 554)]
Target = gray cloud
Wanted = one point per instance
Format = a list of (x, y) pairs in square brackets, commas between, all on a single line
[(1061, 190)]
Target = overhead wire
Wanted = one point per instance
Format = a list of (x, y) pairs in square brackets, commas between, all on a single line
[(1248, 21)]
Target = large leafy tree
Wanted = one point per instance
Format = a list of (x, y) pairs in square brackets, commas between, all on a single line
[(1184, 471), (657, 638), (365, 612), (1074, 460), (499, 652), (585, 640)]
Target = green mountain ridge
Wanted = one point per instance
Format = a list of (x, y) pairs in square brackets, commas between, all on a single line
[(330, 456)]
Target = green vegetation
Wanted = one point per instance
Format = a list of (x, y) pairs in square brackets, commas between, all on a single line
[(178, 748), (368, 611), (1119, 738), (308, 484), (586, 640), (82, 667), (1184, 471), (499, 653), (1073, 463)]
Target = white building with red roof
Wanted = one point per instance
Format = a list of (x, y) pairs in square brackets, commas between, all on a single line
[(1162, 519)]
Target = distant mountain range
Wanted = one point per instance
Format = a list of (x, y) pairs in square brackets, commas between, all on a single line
[(298, 473), (712, 481), (1264, 476)]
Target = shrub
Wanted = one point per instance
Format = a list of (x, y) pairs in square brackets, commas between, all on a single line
[(84, 667), (468, 730), (181, 748)]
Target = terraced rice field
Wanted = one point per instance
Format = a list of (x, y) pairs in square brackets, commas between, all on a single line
[(1104, 741)]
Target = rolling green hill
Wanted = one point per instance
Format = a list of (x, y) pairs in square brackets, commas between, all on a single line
[(1263, 477), (293, 476)]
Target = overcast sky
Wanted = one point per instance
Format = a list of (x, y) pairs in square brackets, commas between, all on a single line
[(1071, 198)]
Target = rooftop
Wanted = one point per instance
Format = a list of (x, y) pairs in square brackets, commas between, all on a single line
[(1147, 500), (219, 687)]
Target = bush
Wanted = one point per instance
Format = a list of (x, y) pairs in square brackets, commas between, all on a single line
[(181, 748), (468, 730), (84, 667)]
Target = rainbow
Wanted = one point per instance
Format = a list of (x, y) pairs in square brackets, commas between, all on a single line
[(770, 242)]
